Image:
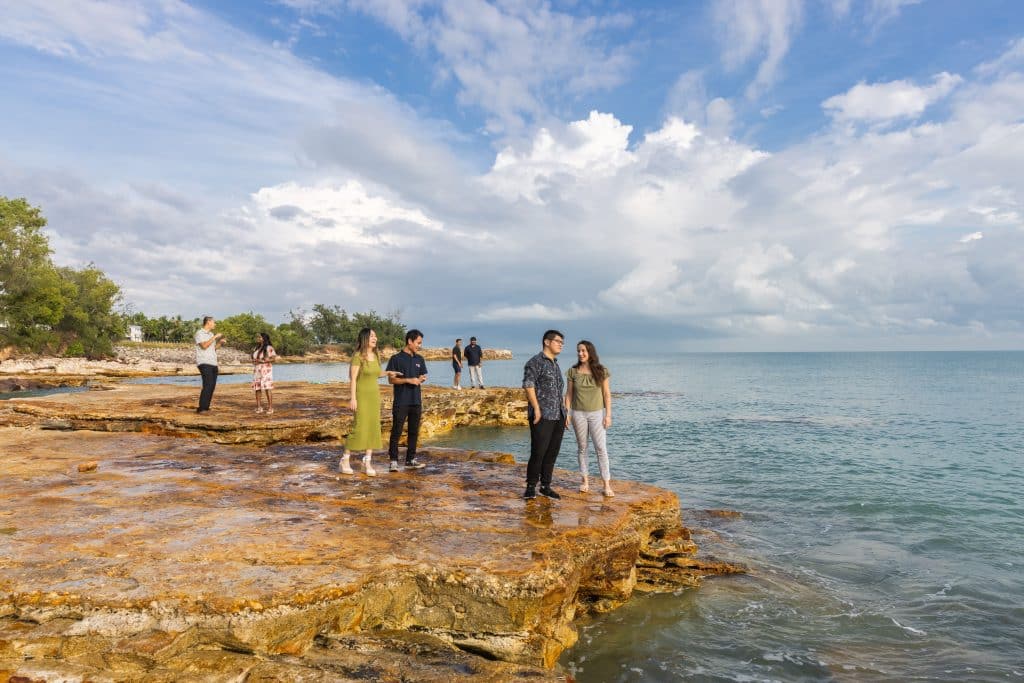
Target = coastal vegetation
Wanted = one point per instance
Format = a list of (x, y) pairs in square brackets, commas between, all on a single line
[(49, 309)]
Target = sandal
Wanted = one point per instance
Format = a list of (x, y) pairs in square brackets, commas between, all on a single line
[(585, 486)]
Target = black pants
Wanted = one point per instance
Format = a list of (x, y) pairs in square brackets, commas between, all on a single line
[(399, 414), (545, 442), (209, 374)]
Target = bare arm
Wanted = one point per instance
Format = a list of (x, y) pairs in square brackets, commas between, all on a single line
[(218, 338), (568, 399), (531, 397), (353, 374), (606, 393)]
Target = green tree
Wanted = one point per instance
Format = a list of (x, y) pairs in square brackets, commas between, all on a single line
[(329, 324), (32, 294), (241, 329), (90, 321)]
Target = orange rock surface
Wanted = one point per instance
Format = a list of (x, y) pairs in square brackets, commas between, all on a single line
[(250, 557)]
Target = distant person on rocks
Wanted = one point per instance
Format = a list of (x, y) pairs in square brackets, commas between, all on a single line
[(457, 364), (588, 398), (207, 344), (263, 357), (542, 380), (407, 371), (364, 371), (474, 359)]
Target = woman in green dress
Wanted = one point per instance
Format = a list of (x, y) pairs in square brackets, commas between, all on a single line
[(363, 374)]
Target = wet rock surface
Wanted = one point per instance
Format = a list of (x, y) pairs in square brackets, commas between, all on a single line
[(303, 412), (253, 559)]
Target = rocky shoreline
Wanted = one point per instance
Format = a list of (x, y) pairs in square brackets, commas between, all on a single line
[(141, 360), (145, 542)]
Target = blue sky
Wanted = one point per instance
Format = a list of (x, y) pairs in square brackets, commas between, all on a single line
[(726, 174)]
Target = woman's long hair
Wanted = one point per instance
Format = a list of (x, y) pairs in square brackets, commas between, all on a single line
[(596, 369), (363, 344), (261, 350)]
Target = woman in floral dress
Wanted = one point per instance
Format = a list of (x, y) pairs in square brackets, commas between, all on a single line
[(263, 357)]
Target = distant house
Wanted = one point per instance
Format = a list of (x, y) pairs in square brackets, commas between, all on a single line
[(135, 333)]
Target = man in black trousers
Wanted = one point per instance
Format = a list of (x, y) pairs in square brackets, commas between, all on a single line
[(411, 372), (544, 385), (207, 344)]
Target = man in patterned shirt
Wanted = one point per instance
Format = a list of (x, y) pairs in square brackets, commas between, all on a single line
[(542, 380)]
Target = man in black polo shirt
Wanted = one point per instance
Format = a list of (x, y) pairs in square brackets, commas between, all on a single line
[(412, 372)]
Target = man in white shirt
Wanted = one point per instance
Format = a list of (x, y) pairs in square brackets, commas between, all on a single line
[(206, 358)]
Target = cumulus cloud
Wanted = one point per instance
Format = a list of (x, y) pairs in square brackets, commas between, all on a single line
[(339, 193), (886, 101)]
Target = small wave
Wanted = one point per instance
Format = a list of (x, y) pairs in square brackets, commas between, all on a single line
[(909, 629), (941, 593)]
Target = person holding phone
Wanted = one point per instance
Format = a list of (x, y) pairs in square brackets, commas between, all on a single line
[(207, 344), (407, 371)]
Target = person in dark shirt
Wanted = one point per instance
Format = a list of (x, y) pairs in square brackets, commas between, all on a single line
[(457, 364), (410, 372), (474, 359), (542, 380)]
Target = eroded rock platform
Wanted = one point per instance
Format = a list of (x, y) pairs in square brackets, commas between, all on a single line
[(169, 558), (303, 412)]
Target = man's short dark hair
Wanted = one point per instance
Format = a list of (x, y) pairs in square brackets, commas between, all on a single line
[(458, 339), (551, 334), (472, 339), (207, 318), (412, 334)]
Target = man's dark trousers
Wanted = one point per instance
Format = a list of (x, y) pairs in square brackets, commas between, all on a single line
[(545, 442), (399, 414), (209, 374)]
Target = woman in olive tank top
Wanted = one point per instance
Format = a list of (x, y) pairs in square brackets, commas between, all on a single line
[(588, 402)]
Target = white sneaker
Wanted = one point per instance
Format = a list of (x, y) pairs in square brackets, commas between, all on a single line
[(393, 467)]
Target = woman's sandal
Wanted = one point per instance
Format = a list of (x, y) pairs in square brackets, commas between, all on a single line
[(585, 486)]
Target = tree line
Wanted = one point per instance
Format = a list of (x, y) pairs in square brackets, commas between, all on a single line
[(49, 309)]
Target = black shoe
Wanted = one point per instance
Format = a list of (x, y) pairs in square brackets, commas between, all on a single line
[(414, 464), (202, 410), (531, 492), (549, 492)]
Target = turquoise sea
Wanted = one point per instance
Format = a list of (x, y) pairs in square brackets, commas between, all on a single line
[(882, 516)]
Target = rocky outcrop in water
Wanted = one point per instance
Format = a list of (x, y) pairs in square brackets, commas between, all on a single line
[(129, 554)]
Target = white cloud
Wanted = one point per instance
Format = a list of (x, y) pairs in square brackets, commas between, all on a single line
[(534, 312), (887, 101), (881, 11), (336, 192), (757, 28), (510, 59)]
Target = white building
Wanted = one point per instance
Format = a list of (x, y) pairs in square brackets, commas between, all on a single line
[(135, 333)]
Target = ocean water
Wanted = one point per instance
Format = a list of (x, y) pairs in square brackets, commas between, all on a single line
[(881, 508), (882, 517)]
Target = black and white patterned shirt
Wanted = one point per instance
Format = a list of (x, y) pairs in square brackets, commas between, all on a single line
[(545, 377)]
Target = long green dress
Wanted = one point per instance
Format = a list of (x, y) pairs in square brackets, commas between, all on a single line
[(366, 427)]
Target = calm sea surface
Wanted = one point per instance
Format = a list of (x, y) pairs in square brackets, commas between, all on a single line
[(882, 515)]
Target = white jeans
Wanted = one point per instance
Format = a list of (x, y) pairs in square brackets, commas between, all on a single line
[(476, 375), (592, 424)]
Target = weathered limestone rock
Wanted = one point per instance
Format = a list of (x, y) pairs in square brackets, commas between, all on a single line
[(303, 412), (184, 557), (241, 553)]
